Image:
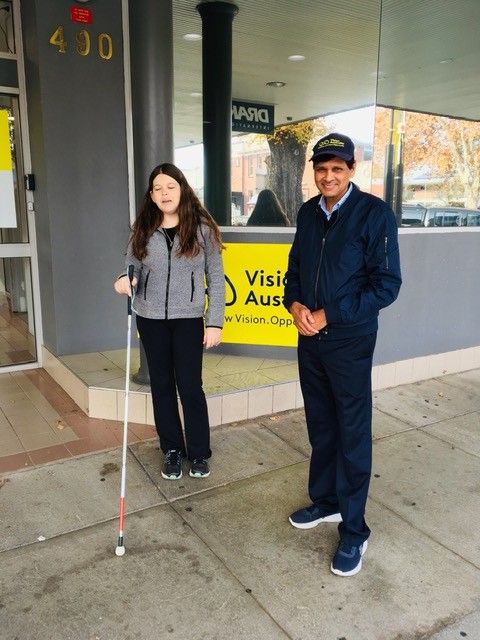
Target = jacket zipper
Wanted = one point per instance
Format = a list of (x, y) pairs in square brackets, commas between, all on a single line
[(192, 288), (169, 251), (168, 284), (145, 287), (318, 270), (321, 256), (386, 252)]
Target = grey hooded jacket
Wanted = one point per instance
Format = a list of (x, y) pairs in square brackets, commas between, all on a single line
[(172, 286)]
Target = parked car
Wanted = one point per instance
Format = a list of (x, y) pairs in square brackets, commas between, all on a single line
[(473, 218), (413, 215), (420, 216)]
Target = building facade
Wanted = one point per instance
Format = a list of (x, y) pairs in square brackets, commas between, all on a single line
[(93, 94)]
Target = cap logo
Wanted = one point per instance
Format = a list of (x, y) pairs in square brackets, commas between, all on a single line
[(331, 142)]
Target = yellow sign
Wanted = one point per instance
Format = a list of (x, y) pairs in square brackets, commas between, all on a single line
[(255, 278), (8, 216), (5, 152)]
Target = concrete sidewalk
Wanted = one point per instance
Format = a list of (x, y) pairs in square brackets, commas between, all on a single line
[(216, 559)]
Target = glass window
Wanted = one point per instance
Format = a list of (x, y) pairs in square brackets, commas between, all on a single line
[(13, 215), (427, 147), (473, 218), (283, 73), (7, 41), (413, 215), (427, 161), (17, 329)]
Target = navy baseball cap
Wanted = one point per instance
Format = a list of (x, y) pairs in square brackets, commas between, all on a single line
[(334, 144)]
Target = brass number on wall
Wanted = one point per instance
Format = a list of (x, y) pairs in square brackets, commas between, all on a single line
[(105, 48), (58, 40), (83, 42)]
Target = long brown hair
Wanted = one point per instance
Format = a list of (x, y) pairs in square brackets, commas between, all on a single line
[(191, 214)]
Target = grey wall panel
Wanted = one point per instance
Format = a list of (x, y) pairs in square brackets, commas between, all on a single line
[(438, 308), (77, 112)]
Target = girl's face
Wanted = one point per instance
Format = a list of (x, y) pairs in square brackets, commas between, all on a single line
[(166, 193)]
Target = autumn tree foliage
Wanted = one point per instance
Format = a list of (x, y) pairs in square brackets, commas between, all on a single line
[(286, 164), (442, 147)]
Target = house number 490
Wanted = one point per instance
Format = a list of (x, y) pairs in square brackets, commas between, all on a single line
[(104, 43)]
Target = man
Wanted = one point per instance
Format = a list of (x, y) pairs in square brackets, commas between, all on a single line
[(343, 268)]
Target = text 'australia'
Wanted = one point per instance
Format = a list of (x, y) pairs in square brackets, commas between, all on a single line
[(260, 279)]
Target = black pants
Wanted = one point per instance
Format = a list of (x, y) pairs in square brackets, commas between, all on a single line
[(335, 377), (174, 350)]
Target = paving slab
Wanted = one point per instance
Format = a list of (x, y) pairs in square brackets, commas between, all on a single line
[(239, 451), (290, 427), (468, 381), (54, 499), (463, 432), (426, 402), (384, 425), (434, 486), (408, 585), (468, 627), (168, 585), (247, 380)]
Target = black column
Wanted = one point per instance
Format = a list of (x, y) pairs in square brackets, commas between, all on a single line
[(217, 18), (151, 52)]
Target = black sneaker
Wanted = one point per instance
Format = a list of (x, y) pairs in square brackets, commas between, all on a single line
[(309, 517), (200, 468), (172, 466)]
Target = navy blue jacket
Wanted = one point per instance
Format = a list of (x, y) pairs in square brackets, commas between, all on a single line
[(351, 270)]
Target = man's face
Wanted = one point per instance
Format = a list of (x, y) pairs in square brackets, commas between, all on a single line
[(332, 178)]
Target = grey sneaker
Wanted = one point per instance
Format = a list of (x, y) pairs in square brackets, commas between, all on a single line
[(172, 466), (200, 468)]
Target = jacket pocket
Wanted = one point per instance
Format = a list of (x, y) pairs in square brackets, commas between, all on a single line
[(192, 287), (145, 287)]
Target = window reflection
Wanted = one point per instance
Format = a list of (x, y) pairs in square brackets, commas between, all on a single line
[(7, 42), (439, 173), (268, 211), (17, 329), (281, 163), (13, 214), (427, 147), (325, 79)]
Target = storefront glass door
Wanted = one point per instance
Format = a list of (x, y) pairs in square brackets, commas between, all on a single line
[(18, 323)]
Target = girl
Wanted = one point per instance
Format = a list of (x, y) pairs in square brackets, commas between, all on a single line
[(175, 247)]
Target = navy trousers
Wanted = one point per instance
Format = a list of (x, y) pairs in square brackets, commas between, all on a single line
[(335, 377), (174, 350)]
